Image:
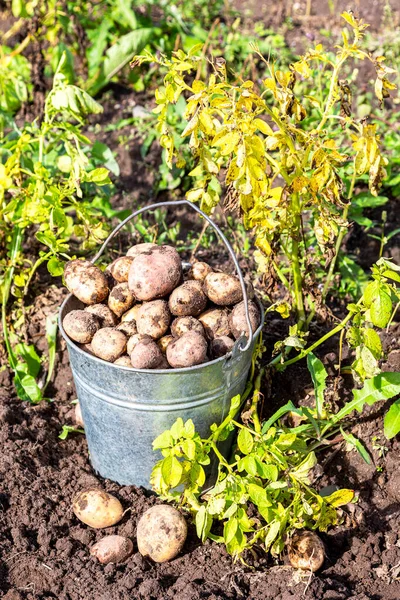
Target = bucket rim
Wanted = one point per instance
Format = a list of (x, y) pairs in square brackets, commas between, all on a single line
[(96, 359)]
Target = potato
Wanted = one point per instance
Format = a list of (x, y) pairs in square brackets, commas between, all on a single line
[(135, 339), (155, 273), (112, 549), (78, 415), (120, 299), (131, 314), (153, 318), (237, 319), (123, 361), (80, 326), (146, 355), (86, 281), (119, 269), (215, 322), (105, 316), (306, 551), (164, 341), (164, 364), (109, 343), (187, 300), (199, 271), (97, 508), (140, 248), (128, 328), (220, 346), (223, 289), (182, 325), (86, 348), (161, 533), (188, 350)]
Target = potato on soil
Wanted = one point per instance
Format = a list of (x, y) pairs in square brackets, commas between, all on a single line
[(131, 314), (221, 346), (112, 549), (135, 339), (223, 289), (109, 343), (182, 325), (105, 316), (78, 415), (119, 269), (188, 350), (86, 281), (140, 248), (120, 299), (199, 271), (164, 341), (161, 533), (80, 326), (237, 319), (128, 328), (146, 355), (153, 318), (123, 361), (306, 551), (188, 299), (155, 273), (215, 322), (97, 508)]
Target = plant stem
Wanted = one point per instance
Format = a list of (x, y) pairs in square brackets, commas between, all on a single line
[(15, 248), (297, 276)]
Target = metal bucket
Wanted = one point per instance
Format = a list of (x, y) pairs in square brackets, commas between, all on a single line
[(125, 409)]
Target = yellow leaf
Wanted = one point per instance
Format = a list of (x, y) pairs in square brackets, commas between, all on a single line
[(195, 194), (263, 127), (302, 68), (272, 142), (206, 123), (227, 142)]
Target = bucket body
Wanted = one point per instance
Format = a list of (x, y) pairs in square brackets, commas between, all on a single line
[(125, 409)]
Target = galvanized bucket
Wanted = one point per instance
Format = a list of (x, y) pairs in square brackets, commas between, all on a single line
[(125, 409)]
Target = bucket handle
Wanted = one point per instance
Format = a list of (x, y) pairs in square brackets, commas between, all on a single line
[(219, 234)]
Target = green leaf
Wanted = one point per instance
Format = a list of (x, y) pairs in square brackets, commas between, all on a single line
[(51, 337), (99, 176), (340, 498), (392, 421), (370, 293), (302, 471), (177, 429), (55, 266), (266, 471), (164, 440), (272, 533), (203, 523), (373, 342), (381, 309), (230, 529), (171, 470), (67, 429), (318, 375), (353, 441), (257, 494), (381, 387), (197, 475), (124, 50), (30, 357), (283, 410), (245, 441)]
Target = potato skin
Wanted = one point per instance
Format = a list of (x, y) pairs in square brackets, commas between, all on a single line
[(135, 339), (199, 271), (131, 314), (237, 319), (164, 341), (223, 289), (112, 549), (221, 346), (86, 281), (120, 299), (80, 326), (153, 318), (187, 300), (109, 344), (215, 322), (306, 551), (134, 251), (146, 355), (188, 350), (97, 508), (155, 273), (128, 328), (123, 361), (161, 533), (182, 325), (119, 269), (105, 316)]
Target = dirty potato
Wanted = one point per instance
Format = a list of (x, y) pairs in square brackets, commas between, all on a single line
[(123, 361), (182, 325), (188, 350), (164, 341), (146, 355), (134, 251), (97, 508), (220, 346), (155, 273), (80, 326), (153, 318), (306, 551), (237, 319), (105, 316), (86, 281), (188, 299), (199, 271), (120, 299), (135, 339), (161, 533), (112, 549), (109, 343), (215, 322), (119, 269)]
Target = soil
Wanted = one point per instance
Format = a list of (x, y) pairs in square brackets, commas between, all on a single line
[(45, 550)]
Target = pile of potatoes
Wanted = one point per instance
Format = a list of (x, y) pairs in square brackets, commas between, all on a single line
[(143, 312)]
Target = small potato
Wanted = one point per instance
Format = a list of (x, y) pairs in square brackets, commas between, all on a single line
[(223, 289), (109, 344), (131, 314), (106, 317), (237, 319), (112, 549), (221, 346), (135, 339), (128, 328), (187, 300), (164, 341), (161, 533), (182, 325), (97, 508), (78, 415), (146, 355), (119, 269), (123, 361), (188, 350), (80, 326), (306, 551), (153, 318), (87, 348), (120, 299), (140, 248), (86, 281), (199, 271), (155, 273), (215, 322)]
